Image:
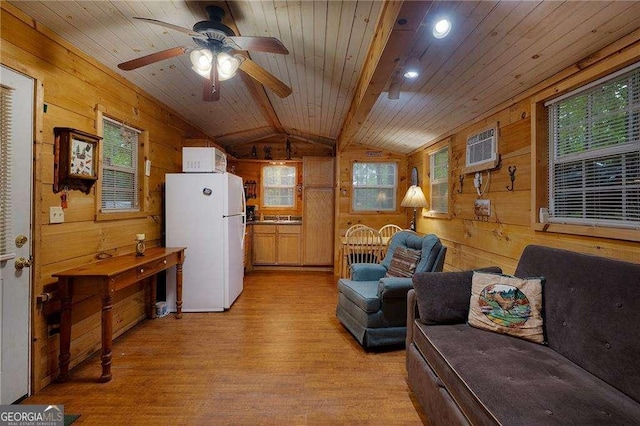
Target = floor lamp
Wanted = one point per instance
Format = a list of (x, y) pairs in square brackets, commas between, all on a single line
[(414, 198)]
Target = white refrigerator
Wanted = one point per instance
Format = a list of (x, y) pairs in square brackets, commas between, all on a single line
[(205, 212)]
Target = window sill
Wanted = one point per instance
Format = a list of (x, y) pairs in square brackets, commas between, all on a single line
[(590, 231), (120, 215), (433, 215)]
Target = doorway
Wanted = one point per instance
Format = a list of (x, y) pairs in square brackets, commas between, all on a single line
[(16, 195)]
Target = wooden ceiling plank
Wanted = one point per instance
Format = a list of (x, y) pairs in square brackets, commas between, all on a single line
[(256, 90), (496, 84), (390, 42), (495, 26)]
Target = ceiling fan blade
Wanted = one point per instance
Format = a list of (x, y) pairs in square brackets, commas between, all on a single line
[(211, 86), (257, 44), (265, 78), (173, 27), (154, 57)]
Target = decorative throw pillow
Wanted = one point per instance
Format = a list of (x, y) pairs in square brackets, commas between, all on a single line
[(507, 305), (404, 262)]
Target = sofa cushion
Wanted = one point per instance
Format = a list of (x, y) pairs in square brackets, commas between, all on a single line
[(364, 294), (591, 311), (443, 297), (496, 378), (507, 305), (403, 263)]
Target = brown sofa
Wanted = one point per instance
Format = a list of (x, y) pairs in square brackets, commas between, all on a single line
[(588, 373)]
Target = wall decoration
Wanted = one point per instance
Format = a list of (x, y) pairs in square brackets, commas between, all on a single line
[(75, 160)]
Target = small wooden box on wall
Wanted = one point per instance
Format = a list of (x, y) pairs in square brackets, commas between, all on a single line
[(75, 164)]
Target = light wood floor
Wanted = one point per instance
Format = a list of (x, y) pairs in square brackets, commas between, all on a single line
[(278, 356)]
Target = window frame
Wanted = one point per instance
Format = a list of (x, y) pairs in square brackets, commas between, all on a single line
[(540, 164), (263, 188), (428, 153), (396, 201), (143, 179)]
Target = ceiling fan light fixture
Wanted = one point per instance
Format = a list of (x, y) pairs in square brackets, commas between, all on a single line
[(227, 65), (201, 60)]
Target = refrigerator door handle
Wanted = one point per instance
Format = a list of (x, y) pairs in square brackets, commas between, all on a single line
[(244, 215)]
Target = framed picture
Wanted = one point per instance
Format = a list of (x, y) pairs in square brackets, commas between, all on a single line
[(82, 158), (75, 159)]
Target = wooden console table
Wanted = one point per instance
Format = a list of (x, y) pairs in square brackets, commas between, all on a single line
[(104, 278)]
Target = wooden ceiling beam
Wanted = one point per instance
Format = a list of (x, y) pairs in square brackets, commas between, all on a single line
[(398, 25)]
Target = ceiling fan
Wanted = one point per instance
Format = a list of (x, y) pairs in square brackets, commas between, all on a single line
[(217, 56)]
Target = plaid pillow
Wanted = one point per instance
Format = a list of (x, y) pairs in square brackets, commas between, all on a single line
[(404, 262)]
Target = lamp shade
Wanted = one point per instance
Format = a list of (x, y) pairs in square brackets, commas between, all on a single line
[(414, 198), (201, 60), (227, 65)]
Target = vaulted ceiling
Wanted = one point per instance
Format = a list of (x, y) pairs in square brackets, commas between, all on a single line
[(343, 57)]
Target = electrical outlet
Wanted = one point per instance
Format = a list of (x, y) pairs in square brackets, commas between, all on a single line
[(56, 215)]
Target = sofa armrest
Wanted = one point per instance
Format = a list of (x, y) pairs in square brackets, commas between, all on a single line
[(394, 288), (367, 271), (411, 315), (443, 297)]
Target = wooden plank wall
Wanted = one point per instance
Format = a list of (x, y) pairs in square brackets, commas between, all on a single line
[(73, 86), (345, 217), (252, 170), (501, 239)]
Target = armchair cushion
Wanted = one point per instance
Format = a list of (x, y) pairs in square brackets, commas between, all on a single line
[(443, 297)]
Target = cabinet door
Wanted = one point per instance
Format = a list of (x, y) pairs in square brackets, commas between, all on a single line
[(317, 171), (264, 245), (289, 245), (318, 226)]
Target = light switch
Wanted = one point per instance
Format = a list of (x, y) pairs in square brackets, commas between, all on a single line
[(56, 215)]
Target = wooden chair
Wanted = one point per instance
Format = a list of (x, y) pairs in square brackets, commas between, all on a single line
[(353, 228), (363, 245), (386, 232)]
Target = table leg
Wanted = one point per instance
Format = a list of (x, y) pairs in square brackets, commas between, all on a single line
[(151, 306), (64, 287), (179, 290), (107, 336)]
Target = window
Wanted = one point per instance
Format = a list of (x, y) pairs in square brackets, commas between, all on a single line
[(439, 179), (278, 186), (119, 167), (594, 153), (374, 186)]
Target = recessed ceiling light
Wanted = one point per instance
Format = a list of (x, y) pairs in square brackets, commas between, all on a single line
[(442, 28), (411, 74), (412, 67)]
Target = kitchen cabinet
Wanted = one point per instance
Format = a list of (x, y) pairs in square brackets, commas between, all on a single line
[(276, 244), (288, 245), (264, 244)]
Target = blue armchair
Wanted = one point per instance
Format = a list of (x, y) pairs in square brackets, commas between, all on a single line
[(374, 307)]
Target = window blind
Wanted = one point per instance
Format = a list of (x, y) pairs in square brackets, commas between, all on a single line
[(439, 176), (594, 173), (5, 168), (119, 167)]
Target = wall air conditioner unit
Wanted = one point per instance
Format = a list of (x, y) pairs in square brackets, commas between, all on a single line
[(482, 150)]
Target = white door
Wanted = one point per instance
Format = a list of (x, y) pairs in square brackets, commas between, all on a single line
[(15, 234)]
